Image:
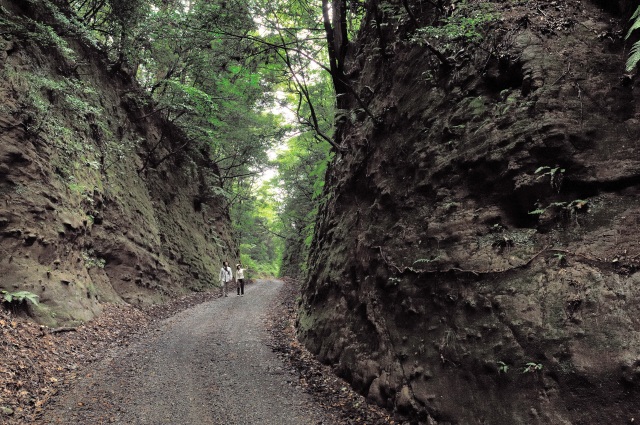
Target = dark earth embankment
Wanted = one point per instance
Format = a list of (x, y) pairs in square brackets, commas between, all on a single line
[(476, 259)]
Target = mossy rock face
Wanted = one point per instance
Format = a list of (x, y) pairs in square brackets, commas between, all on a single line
[(477, 107), (43, 315), (79, 226), (427, 256)]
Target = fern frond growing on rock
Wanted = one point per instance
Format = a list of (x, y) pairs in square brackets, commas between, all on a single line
[(634, 54), (634, 57)]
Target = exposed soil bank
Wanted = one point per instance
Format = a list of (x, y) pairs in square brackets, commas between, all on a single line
[(476, 259), (89, 211)]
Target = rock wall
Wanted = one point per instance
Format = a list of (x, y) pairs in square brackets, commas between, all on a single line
[(476, 260), (89, 210)]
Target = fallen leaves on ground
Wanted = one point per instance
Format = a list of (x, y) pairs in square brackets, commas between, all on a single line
[(37, 362)]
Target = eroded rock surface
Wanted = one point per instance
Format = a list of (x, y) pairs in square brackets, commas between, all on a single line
[(98, 201), (476, 259)]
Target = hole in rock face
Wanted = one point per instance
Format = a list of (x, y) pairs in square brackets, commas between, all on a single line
[(18, 158), (197, 204), (620, 7), (517, 205), (503, 73)]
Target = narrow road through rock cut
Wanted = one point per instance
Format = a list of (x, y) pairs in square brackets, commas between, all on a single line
[(206, 365)]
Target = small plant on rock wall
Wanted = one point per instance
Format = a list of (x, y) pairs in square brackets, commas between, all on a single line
[(634, 54), (502, 367), (556, 176), (540, 211), (562, 259), (394, 281), (17, 300), (91, 260), (47, 37), (571, 208), (463, 23), (20, 296), (427, 260), (532, 367)]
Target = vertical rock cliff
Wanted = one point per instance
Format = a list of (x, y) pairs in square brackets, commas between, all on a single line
[(100, 199), (476, 259)]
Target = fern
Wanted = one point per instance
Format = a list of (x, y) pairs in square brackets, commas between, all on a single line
[(18, 297), (634, 54), (636, 22)]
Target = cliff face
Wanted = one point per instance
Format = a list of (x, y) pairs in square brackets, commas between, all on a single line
[(99, 199), (476, 260)]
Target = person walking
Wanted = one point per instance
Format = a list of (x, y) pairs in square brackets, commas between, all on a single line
[(225, 277), (240, 279)]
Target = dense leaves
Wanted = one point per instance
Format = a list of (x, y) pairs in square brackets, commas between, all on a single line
[(256, 224), (301, 169)]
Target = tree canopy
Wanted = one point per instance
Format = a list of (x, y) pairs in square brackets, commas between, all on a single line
[(227, 72)]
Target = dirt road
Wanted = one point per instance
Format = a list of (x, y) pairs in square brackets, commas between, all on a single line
[(206, 365)]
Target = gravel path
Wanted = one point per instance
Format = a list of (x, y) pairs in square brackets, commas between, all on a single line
[(207, 365)]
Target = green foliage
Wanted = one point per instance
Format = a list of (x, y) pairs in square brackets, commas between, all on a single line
[(79, 106), (463, 24), (502, 367), (255, 222), (36, 110), (91, 260), (548, 171), (211, 70), (555, 174), (532, 367), (427, 260), (114, 24), (14, 298), (37, 32), (394, 281), (575, 206), (257, 268), (634, 54), (220, 70), (562, 259), (301, 168)]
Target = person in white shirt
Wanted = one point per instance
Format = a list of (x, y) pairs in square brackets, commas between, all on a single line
[(240, 279), (225, 277)]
